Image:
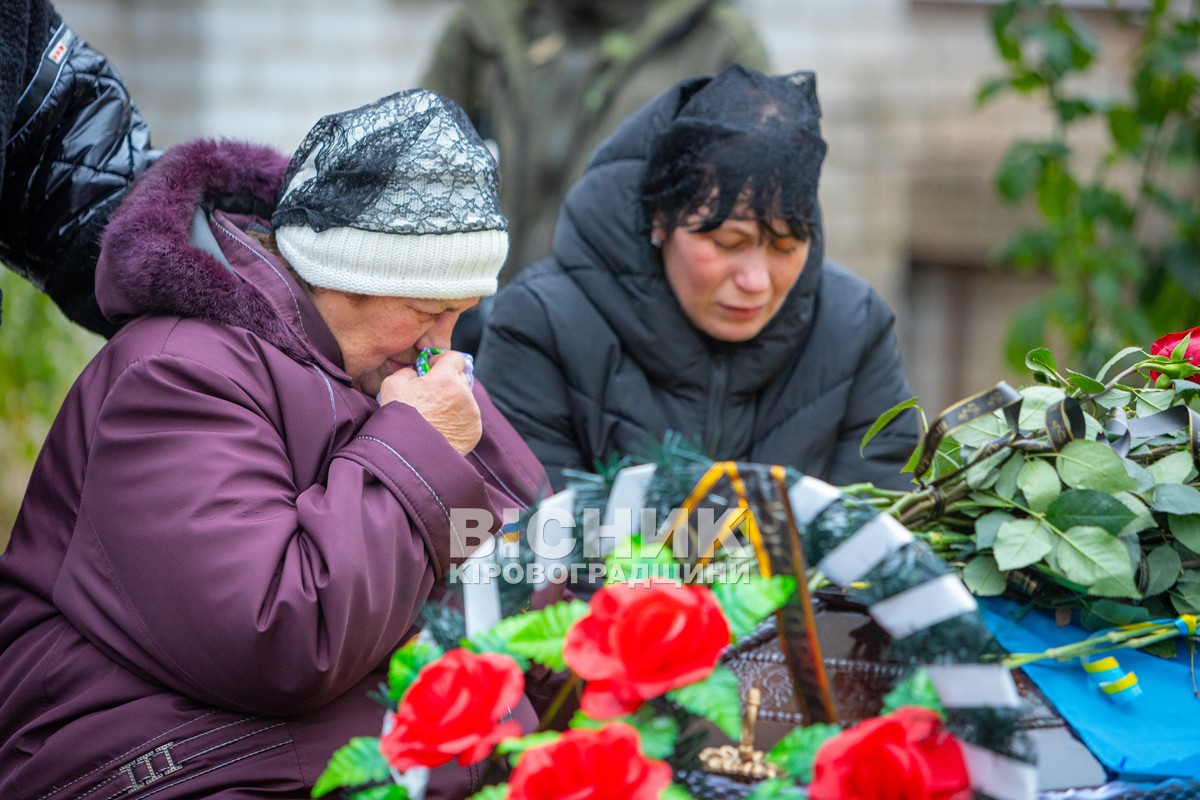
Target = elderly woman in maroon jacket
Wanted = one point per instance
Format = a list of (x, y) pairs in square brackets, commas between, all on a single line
[(248, 494)]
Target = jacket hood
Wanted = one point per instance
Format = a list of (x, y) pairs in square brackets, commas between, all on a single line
[(602, 234), (148, 261)]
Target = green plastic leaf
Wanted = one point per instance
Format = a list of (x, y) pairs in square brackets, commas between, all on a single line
[(1175, 498), (915, 690), (1084, 507), (983, 577), (987, 526), (1090, 465), (715, 698), (1038, 481), (1186, 594), (406, 663), (517, 746), (776, 789), (1087, 555), (497, 791), (748, 603), (795, 752), (1173, 468), (1163, 568), (1186, 530), (353, 764), (1022, 542), (658, 733), (534, 635), (885, 418), (391, 791), (674, 792)]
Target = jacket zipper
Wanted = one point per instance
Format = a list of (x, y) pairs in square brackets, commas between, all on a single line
[(716, 399)]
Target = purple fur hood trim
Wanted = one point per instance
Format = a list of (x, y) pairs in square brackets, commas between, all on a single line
[(148, 264)]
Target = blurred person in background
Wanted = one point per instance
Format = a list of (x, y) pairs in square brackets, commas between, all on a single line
[(689, 292), (548, 80)]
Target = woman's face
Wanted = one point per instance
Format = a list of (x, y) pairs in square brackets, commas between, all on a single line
[(379, 335), (731, 281)]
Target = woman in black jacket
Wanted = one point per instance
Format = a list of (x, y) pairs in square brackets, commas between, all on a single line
[(688, 292)]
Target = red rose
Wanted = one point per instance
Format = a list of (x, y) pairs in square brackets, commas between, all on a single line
[(642, 641), (453, 708), (905, 755), (604, 764), (1165, 344)]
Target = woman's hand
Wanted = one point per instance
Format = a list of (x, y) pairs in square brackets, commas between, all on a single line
[(442, 396)]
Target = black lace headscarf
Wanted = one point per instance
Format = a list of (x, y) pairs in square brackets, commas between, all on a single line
[(742, 137)]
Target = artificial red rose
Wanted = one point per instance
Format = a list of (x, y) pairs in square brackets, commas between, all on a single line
[(453, 708), (1164, 345), (641, 641), (906, 755), (604, 764)]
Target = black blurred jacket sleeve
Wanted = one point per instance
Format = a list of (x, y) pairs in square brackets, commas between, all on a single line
[(73, 144)]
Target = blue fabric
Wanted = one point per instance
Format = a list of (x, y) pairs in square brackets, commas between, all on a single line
[(1156, 736)]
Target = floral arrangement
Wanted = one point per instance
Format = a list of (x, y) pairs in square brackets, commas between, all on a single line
[(1077, 492), (647, 656)]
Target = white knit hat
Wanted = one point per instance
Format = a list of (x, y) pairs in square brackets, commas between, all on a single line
[(397, 198)]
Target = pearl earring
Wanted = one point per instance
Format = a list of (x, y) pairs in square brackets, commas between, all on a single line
[(654, 240)]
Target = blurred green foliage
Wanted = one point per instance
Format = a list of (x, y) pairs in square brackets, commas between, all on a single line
[(1122, 236), (41, 354)]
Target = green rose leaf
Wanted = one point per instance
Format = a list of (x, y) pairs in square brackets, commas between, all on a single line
[(1186, 594), (1114, 398), (1099, 614), (1175, 498), (1037, 400), (1143, 481), (1084, 464), (406, 663), (1088, 555), (882, 421), (988, 525), (392, 791), (983, 474), (1038, 481), (795, 752), (1006, 479), (353, 764), (1152, 401), (1085, 384), (776, 789), (1114, 587), (1173, 468), (1083, 507), (534, 635), (1163, 568), (983, 577), (1022, 542), (1186, 530), (715, 698), (1142, 518), (747, 604)]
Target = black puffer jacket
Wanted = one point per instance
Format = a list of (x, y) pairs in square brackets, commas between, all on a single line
[(73, 143), (589, 354)]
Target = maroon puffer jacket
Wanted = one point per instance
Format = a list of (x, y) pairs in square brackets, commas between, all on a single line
[(222, 541)]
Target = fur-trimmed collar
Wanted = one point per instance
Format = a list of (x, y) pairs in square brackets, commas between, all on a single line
[(148, 264)]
